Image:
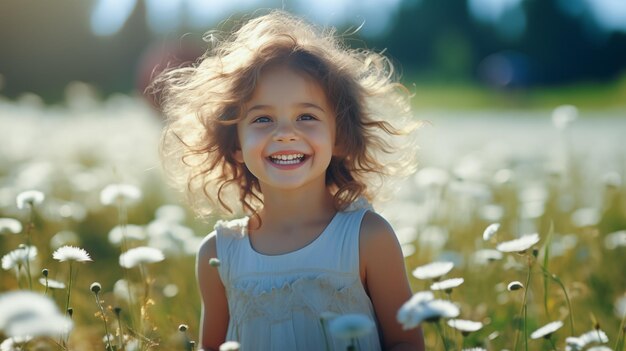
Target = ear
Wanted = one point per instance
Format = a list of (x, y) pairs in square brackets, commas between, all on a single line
[(238, 156)]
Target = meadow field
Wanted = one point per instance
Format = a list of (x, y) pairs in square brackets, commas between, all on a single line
[(555, 172)]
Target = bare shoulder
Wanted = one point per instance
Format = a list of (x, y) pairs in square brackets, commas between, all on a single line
[(376, 230), (208, 246)]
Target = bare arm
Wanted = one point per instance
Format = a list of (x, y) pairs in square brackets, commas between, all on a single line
[(215, 315), (382, 264)]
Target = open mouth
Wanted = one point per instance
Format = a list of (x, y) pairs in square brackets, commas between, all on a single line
[(287, 159)]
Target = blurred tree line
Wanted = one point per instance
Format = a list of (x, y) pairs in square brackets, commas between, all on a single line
[(47, 44)]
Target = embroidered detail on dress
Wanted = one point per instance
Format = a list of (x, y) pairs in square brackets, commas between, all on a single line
[(358, 204), (310, 295), (235, 227)]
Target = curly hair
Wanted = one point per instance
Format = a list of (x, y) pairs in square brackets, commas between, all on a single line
[(204, 102)]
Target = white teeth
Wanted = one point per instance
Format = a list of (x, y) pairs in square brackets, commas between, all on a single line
[(287, 159)]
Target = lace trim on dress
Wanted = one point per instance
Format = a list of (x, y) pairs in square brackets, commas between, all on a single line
[(239, 227), (311, 295), (235, 227)]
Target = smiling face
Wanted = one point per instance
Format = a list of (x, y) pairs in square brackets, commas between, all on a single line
[(288, 131)]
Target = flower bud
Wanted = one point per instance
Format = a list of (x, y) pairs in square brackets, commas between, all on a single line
[(95, 287), (183, 328), (515, 286), (45, 272)]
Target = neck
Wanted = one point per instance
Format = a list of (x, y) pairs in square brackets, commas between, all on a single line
[(293, 208)]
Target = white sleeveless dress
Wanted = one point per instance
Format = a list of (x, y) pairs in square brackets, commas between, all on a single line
[(276, 301)]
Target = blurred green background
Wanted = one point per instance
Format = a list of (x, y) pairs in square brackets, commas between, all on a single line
[(453, 53)]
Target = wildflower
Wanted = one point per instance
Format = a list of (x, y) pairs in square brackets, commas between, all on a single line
[(113, 193), (515, 285), (51, 283), (433, 270), (485, 256), (64, 237), (95, 287), (29, 198), (447, 285), (547, 330), (26, 313), (350, 326), (586, 217), (563, 116), (594, 336), (465, 326), (15, 343), (490, 231), (615, 240), (620, 306), (423, 307), (230, 346), (170, 213), (599, 348), (612, 179), (18, 257), (183, 328), (130, 231), (10, 226), (71, 253), (140, 255), (520, 244), (214, 262), (430, 176), (574, 344), (170, 290)]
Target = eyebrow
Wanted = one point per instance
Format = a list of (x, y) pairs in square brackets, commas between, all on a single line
[(300, 104)]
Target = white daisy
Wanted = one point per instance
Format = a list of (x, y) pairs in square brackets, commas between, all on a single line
[(490, 231), (547, 330), (433, 270), (71, 253), (129, 232), (230, 346), (113, 193), (140, 255), (349, 326), (10, 226), (615, 240), (485, 256), (430, 176), (447, 284), (52, 284), (594, 336), (620, 306), (465, 326), (18, 257), (15, 343), (29, 198), (612, 179), (170, 213), (63, 238), (423, 307), (26, 313), (574, 344), (520, 244), (600, 348), (563, 116)]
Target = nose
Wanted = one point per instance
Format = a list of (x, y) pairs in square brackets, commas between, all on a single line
[(285, 132)]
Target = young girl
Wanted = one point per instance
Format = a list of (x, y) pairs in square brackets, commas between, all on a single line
[(282, 122)]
